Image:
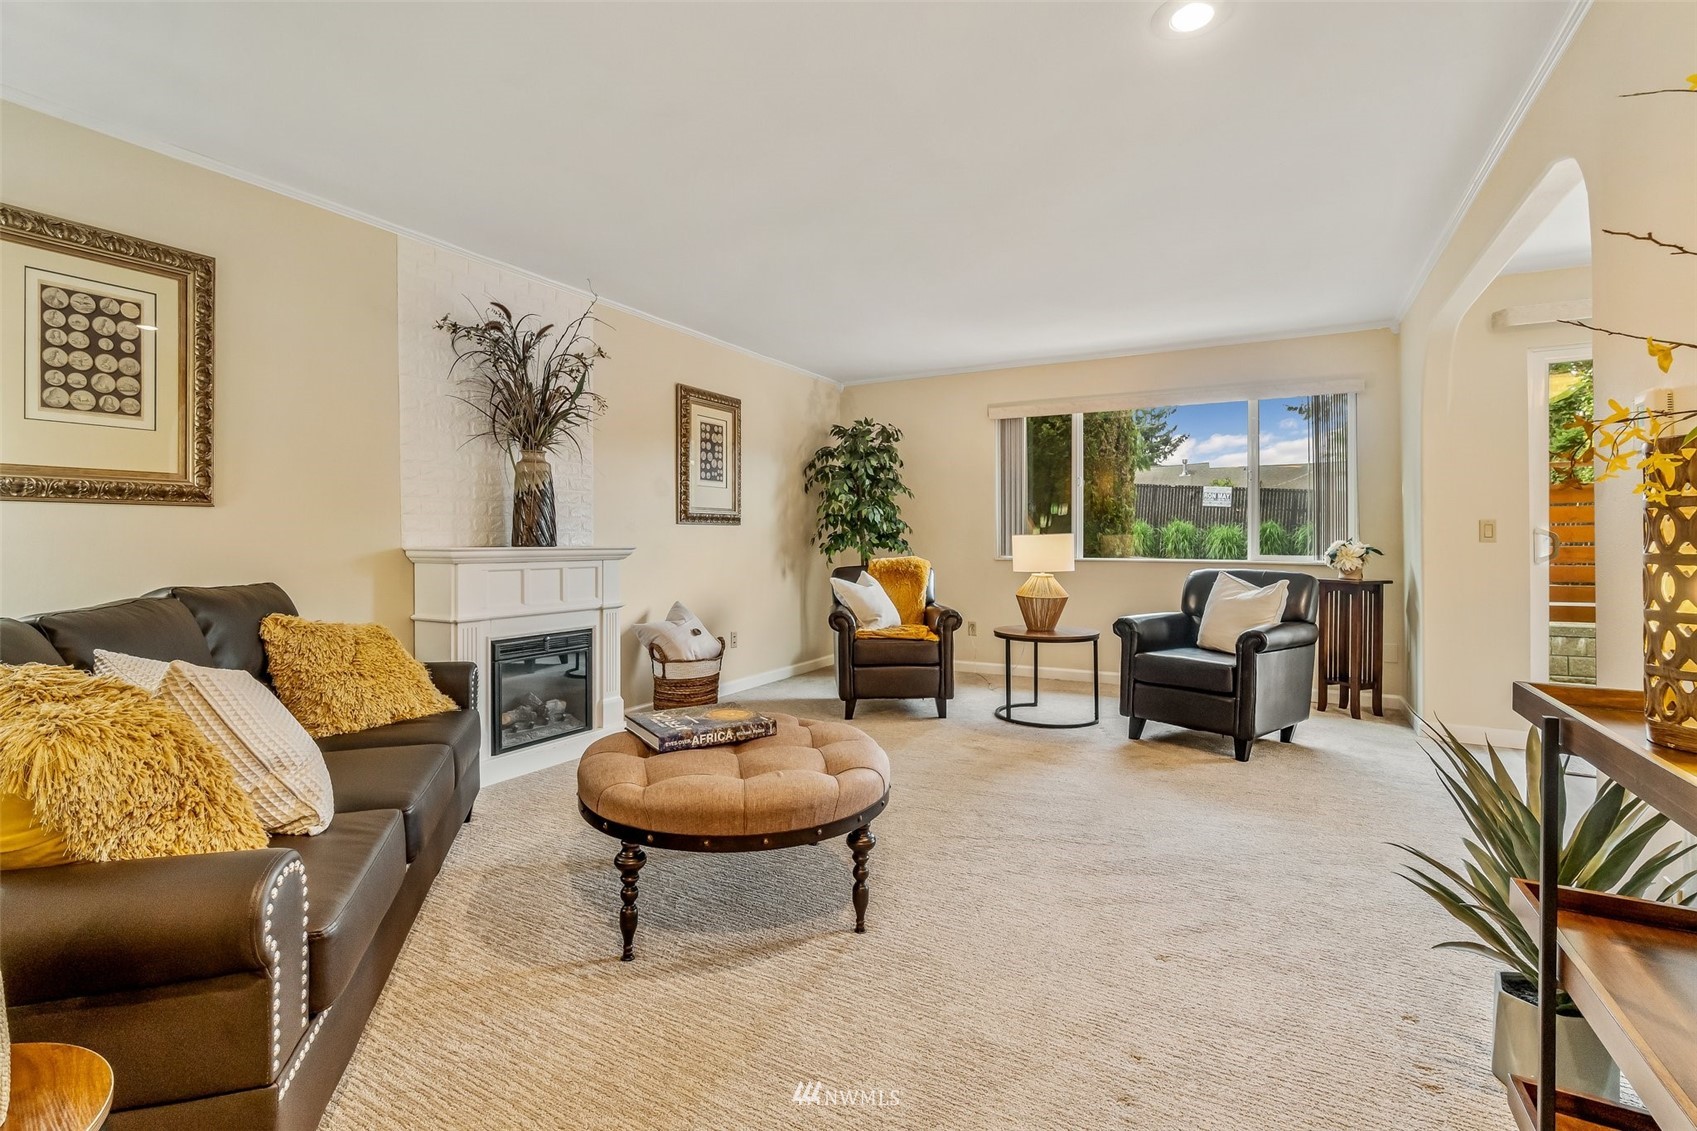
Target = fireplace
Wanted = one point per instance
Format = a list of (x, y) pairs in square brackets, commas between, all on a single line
[(542, 688)]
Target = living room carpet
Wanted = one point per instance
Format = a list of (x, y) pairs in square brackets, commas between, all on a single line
[(1067, 930)]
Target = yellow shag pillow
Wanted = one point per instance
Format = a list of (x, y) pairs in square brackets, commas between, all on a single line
[(339, 678), (111, 772), (905, 580)]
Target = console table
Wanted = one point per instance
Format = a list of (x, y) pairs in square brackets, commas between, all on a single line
[(1352, 642), (1628, 964)]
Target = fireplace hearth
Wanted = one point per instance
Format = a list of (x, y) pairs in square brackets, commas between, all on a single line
[(543, 688)]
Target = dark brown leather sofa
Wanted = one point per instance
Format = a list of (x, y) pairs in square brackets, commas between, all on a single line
[(1266, 685), (229, 990), (871, 668)]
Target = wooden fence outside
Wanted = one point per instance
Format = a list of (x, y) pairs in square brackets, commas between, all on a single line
[(1573, 570), (1161, 503)]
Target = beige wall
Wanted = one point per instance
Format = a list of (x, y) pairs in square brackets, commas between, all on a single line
[(760, 579), (306, 462), (1487, 470), (949, 447), (1638, 157)]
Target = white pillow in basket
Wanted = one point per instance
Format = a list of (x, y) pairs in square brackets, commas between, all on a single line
[(866, 599), (1234, 607), (681, 636), (277, 763)]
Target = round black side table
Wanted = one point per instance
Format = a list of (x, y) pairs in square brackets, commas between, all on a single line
[(1058, 635)]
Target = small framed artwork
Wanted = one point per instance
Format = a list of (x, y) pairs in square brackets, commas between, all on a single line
[(105, 367), (709, 457)]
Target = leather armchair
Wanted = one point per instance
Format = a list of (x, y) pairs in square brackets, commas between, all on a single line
[(871, 668), (1267, 684)]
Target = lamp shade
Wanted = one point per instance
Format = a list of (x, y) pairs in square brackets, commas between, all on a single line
[(1042, 553)]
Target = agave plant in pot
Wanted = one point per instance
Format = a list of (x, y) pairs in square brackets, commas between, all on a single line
[(1609, 850), (529, 386)]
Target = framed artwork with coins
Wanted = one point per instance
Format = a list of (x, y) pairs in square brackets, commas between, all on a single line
[(105, 365), (709, 457)]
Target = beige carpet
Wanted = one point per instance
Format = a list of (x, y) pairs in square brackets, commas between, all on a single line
[(1067, 930)]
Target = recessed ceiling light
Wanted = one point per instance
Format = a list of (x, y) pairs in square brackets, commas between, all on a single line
[(1180, 19), (1191, 17)]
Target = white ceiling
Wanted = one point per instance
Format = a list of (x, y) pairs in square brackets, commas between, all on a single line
[(1562, 240), (860, 190)]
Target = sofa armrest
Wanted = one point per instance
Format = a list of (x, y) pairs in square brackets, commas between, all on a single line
[(82, 929), (941, 619), (1153, 632), (1278, 637), (457, 679)]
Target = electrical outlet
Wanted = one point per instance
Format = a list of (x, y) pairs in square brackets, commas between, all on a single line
[(1487, 530), (733, 642), (972, 628)]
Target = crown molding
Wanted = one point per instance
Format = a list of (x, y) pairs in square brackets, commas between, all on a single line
[(144, 140), (1178, 346), (1546, 66)]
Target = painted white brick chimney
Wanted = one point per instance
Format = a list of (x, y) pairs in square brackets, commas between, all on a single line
[(455, 488)]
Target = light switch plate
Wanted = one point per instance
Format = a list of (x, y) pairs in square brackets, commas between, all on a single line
[(1487, 530)]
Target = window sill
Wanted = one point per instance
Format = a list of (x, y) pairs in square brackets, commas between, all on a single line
[(1221, 562)]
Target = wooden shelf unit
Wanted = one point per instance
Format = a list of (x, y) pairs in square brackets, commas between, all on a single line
[(1575, 1111), (1629, 964)]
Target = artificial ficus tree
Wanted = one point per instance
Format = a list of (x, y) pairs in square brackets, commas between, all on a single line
[(858, 478)]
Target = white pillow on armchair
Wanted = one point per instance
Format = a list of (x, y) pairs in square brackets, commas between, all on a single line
[(866, 599), (1235, 607)]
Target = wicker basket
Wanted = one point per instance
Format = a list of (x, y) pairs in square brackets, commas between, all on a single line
[(685, 683)]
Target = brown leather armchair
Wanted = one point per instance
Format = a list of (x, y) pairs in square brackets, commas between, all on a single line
[(1267, 684), (870, 668)]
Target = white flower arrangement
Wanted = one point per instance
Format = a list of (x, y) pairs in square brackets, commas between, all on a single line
[(1349, 555)]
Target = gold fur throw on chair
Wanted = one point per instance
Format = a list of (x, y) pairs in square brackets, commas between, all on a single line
[(905, 581), (117, 773)]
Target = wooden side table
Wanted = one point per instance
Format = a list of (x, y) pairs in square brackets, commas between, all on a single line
[(1352, 642), (1057, 635), (58, 1088)]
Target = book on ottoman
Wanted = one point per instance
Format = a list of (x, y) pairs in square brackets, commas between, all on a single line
[(691, 728)]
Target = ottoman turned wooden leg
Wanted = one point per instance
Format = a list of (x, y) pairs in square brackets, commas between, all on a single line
[(629, 861), (860, 842)]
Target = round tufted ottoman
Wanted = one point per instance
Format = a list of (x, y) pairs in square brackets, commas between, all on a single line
[(807, 782)]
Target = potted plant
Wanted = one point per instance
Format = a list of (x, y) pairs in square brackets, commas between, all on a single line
[(1606, 852), (531, 398), (1349, 557), (860, 487)]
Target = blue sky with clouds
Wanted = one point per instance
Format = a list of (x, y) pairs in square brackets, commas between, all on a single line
[(1219, 433)]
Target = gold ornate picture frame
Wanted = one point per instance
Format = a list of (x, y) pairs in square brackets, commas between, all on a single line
[(709, 457), (106, 369)]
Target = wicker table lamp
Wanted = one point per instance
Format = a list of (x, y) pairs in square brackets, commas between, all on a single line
[(1041, 598)]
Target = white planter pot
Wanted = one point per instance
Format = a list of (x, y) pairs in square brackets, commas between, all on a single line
[(1582, 1063)]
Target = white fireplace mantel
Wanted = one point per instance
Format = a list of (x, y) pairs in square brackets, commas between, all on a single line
[(465, 598)]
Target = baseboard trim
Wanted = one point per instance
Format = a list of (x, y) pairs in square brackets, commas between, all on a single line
[(761, 679)]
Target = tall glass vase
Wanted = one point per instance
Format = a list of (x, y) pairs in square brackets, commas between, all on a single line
[(533, 501)]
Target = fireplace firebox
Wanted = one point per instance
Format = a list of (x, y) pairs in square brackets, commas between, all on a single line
[(543, 688)]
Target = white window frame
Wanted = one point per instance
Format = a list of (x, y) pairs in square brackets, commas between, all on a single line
[(1252, 515)]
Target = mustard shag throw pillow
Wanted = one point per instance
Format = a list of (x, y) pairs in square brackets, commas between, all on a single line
[(114, 773), (905, 580), (339, 678)]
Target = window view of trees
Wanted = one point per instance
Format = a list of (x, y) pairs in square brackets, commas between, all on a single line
[(1571, 395), (1118, 445), (1176, 481), (1048, 462)]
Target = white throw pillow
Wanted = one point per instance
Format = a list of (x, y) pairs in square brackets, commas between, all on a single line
[(1234, 607), (276, 762), (681, 636), (866, 599)]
